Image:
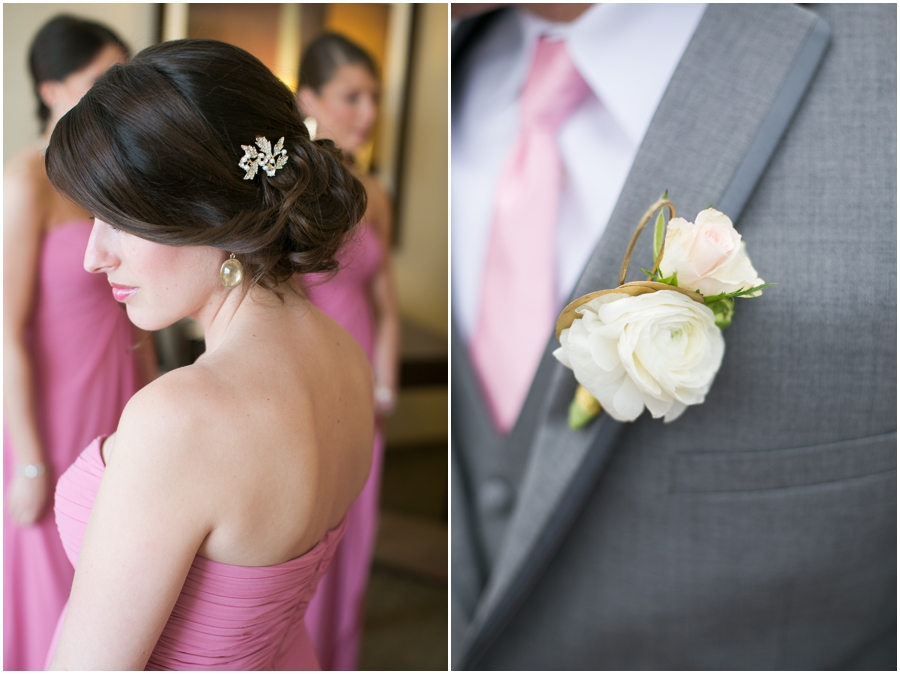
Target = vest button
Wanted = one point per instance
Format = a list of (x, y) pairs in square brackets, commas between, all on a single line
[(496, 496)]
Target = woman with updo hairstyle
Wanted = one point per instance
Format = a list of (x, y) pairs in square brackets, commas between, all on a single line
[(71, 358), (200, 528), (338, 94)]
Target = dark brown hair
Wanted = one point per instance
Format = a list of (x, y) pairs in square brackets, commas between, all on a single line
[(153, 148), (325, 55), (64, 45)]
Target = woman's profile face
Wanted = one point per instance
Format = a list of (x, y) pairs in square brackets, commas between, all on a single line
[(158, 284), (346, 107), (62, 96)]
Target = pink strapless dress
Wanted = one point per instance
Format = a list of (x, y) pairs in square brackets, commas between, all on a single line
[(336, 614), (84, 370), (226, 617)]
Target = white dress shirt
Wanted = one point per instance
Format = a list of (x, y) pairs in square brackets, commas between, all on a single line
[(626, 53)]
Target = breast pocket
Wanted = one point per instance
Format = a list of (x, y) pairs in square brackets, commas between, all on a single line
[(706, 472)]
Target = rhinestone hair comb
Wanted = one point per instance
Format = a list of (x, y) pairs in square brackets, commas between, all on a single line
[(267, 158)]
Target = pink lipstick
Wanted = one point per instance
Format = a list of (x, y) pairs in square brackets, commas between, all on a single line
[(122, 293)]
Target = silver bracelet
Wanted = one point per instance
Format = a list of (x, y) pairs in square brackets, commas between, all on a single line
[(384, 395), (31, 470)]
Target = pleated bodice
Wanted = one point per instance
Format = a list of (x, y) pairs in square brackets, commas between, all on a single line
[(226, 617)]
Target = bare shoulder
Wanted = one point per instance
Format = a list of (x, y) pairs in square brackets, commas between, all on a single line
[(25, 208), (29, 159), (376, 192), (379, 209), (342, 370), (165, 420), (24, 168), (346, 351), (344, 378), (25, 185), (375, 189), (158, 461)]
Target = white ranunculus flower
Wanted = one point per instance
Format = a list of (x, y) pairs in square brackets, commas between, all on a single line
[(708, 255), (661, 350)]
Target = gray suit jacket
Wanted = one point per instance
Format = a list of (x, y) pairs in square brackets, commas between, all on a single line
[(758, 531)]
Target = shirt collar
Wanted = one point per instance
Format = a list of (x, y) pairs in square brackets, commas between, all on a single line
[(626, 53)]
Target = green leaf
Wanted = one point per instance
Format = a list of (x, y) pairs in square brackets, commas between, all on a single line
[(659, 233), (671, 280), (751, 291), (743, 292), (723, 310)]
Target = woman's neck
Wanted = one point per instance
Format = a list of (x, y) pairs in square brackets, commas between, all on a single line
[(48, 131), (230, 313)]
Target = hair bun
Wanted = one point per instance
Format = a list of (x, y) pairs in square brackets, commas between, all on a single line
[(312, 202), (154, 147)]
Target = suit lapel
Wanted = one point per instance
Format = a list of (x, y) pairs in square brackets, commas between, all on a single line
[(715, 129)]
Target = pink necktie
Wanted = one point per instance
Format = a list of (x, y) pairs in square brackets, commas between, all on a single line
[(518, 304)]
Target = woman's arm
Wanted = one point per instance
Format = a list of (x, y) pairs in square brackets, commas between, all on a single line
[(150, 517), (23, 218), (385, 363)]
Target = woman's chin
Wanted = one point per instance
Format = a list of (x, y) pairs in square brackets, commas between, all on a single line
[(352, 144), (146, 321)]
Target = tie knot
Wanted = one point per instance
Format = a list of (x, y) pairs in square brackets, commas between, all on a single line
[(554, 87)]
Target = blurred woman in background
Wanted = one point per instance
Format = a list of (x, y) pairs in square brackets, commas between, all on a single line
[(69, 362), (338, 90)]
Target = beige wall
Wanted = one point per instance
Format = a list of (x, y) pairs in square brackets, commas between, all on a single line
[(421, 260), (135, 23)]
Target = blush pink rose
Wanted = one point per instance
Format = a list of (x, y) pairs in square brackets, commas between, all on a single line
[(708, 256)]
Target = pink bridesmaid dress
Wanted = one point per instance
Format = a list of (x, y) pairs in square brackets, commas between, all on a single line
[(226, 617), (84, 369), (335, 616)]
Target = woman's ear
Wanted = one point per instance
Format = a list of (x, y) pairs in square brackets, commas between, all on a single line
[(49, 92)]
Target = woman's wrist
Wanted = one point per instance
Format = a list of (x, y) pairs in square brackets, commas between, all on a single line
[(27, 452)]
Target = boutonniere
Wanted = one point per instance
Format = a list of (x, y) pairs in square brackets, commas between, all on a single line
[(658, 343)]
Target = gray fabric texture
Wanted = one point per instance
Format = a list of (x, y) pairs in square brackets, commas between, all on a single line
[(759, 530)]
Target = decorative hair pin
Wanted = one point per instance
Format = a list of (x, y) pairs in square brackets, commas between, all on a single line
[(266, 158)]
